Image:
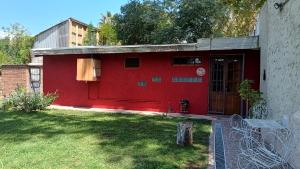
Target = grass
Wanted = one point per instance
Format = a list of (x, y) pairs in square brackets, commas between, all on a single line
[(73, 139)]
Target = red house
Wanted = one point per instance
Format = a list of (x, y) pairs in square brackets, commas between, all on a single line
[(153, 77)]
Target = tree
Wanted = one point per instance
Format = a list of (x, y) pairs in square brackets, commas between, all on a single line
[(17, 44), (175, 21), (107, 33), (200, 19), (91, 37), (106, 19), (4, 58), (242, 16), (169, 21), (141, 22)]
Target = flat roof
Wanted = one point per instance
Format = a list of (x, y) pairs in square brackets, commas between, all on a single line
[(206, 44)]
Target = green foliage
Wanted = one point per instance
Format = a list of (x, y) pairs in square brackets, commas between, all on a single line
[(4, 58), (107, 32), (175, 21), (139, 21), (242, 16), (91, 37), (20, 49), (199, 19), (20, 100), (15, 47), (107, 35), (248, 94)]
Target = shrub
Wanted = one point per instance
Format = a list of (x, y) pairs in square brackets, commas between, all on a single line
[(20, 100), (250, 95)]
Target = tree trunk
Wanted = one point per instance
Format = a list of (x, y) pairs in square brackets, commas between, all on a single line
[(184, 133)]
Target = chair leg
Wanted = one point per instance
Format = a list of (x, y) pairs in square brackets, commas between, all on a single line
[(285, 166)]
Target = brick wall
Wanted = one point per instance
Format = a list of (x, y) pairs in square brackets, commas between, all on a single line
[(1, 87), (13, 76)]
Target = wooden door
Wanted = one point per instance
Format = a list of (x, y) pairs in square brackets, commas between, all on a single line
[(225, 78)]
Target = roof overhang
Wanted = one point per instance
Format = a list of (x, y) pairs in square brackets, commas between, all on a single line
[(202, 45)]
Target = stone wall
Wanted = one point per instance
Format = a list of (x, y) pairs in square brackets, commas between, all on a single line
[(280, 59)]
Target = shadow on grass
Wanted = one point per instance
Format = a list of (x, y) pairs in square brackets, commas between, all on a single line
[(149, 141)]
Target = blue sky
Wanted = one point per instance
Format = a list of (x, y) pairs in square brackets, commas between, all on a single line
[(38, 15)]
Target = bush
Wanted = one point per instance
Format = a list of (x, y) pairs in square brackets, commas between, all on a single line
[(248, 94), (20, 100)]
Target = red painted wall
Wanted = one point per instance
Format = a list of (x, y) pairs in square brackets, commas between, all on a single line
[(252, 68), (118, 86)]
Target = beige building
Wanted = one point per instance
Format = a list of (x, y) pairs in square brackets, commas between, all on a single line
[(68, 33)]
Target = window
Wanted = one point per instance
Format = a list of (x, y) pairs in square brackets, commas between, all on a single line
[(132, 62), (35, 78), (187, 79), (187, 60), (73, 33), (88, 69)]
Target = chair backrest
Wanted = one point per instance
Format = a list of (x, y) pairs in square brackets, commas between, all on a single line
[(236, 121)]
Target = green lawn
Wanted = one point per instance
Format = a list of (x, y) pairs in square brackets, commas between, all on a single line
[(73, 139)]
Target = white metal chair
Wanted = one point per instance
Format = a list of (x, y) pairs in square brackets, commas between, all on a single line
[(272, 150), (238, 126)]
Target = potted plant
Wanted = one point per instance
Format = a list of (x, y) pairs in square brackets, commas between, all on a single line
[(249, 95)]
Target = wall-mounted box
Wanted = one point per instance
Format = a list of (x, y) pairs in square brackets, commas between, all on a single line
[(88, 69)]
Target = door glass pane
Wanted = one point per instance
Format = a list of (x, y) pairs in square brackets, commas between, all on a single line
[(217, 75), (233, 76)]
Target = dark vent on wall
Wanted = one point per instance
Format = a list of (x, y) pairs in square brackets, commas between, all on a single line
[(156, 79), (142, 83)]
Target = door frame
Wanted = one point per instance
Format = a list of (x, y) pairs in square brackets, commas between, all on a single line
[(211, 57)]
